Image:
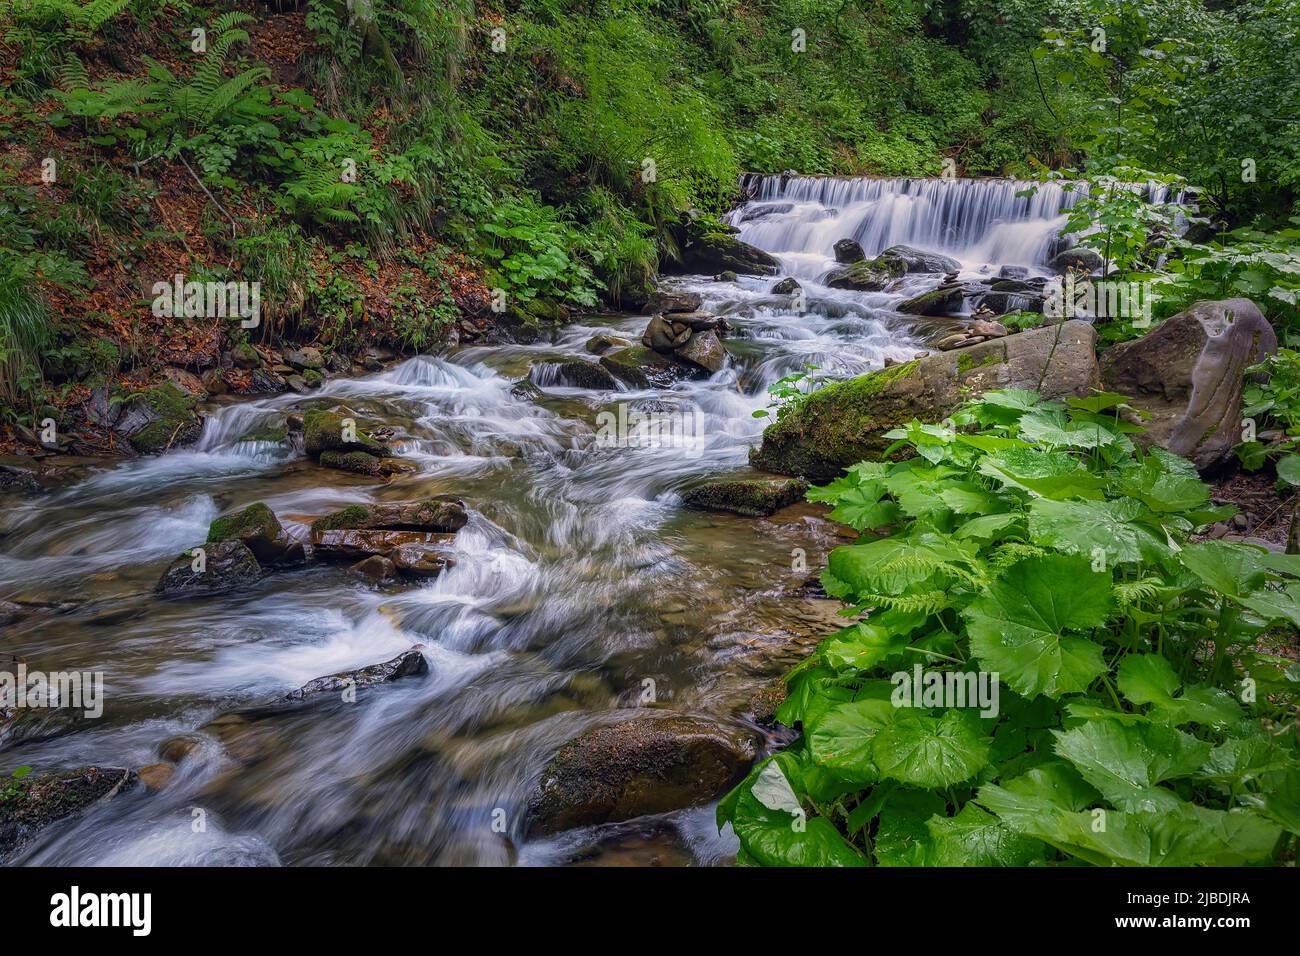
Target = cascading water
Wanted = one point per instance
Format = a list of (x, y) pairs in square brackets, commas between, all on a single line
[(578, 578), (977, 221)]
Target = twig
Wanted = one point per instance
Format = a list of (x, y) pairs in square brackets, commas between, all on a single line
[(234, 234)]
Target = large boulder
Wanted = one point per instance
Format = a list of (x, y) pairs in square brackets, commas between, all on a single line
[(712, 252), (31, 804), (343, 544), (667, 300), (848, 251), (1187, 375), (866, 275), (845, 423), (919, 260), (651, 763), (221, 567), (159, 418), (260, 531), (704, 349), (754, 496), (442, 514), (412, 535), (1079, 258), (572, 373)]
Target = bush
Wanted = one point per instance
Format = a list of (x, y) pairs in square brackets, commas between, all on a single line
[(1134, 717)]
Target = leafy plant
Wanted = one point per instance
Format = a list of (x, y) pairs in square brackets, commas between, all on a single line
[(1033, 543), (1271, 404), (788, 393), (10, 789)]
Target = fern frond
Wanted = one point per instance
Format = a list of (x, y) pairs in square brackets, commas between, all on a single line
[(922, 602), (222, 98), (1129, 593), (1009, 552), (71, 74)]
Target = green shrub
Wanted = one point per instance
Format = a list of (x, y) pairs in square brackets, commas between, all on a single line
[(1032, 541)]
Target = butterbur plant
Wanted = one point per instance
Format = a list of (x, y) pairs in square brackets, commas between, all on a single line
[(1139, 722)]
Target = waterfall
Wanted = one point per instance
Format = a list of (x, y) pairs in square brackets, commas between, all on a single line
[(978, 221)]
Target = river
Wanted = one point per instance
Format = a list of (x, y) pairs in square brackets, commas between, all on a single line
[(579, 577)]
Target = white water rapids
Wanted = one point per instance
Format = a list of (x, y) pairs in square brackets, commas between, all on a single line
[(579, 577)]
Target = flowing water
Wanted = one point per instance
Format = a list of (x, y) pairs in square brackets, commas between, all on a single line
[(579, 578)]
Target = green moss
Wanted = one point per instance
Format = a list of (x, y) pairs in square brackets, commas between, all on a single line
[(348, 517), (245, 354), (323, 431), (271, 433), (154, 437), (843, 422), (312, 377), (175, 418), (968, 363), (359, 462), (254, 521)]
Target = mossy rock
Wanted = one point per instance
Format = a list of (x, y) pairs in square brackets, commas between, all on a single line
[(710, 253), (440, 514), (324, 431), (651, 763), (312, 378), (160, 418), (640, 367), (541, 312), (245, 356), (946, 300), (40, 800), (866, 275), (842, 424), (357, 462), (258, 528), (272, 434), (754, 496), (225, 566), (350, 517)]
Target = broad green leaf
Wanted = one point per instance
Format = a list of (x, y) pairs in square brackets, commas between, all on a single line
[(1018, 625), (1049, 474), (1150, 679), (931, 752), (1083, 527), (986, 527), (1126, 762), (976, 838), (1275, 603), (1056, 430), (1231, 569), (1288, 469), (1146, 678), (903, 837), (773, 827), (1161, 487), (842, 737), (1180, 835)]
